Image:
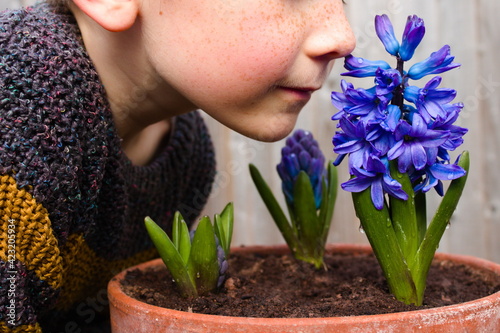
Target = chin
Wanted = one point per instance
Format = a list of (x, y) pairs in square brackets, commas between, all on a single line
[(270, 131), (263, 125)]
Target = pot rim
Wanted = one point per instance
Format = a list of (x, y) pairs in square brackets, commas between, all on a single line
[(490, 303)]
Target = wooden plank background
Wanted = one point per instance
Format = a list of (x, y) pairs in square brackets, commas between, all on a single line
[(472, 29)]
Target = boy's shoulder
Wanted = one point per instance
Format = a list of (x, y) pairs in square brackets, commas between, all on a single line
[(44, 67), (42, 43), (40, 35), (37, 27), (52, 102)]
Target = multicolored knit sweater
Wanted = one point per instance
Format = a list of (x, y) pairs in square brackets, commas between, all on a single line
[(71, 204)]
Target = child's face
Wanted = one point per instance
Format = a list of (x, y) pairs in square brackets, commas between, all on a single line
[(250, 64)]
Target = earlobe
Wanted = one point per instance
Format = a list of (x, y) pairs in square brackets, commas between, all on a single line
[(112, 15)]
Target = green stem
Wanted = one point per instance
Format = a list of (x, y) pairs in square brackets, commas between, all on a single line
[(421, 212)]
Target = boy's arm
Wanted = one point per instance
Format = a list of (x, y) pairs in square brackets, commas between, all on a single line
[(30, 262)]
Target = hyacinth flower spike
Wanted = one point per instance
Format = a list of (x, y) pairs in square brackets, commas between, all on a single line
[(310, 193), (398, 151)]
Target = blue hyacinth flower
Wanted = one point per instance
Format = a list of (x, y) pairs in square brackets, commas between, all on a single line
[(433, 176), (397, 136), (416, 145), (393, 119), (378, 178), (360, 67), (430, 100), (386, 81), (438, 62)]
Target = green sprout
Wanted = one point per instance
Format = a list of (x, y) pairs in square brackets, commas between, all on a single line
[(198, 262)]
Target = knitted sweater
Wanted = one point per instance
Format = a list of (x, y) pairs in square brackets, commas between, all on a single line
[(71, 204)]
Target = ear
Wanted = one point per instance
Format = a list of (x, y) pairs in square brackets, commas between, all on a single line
[(112, 15)]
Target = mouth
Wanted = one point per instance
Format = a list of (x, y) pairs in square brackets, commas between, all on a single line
[(303, 93)]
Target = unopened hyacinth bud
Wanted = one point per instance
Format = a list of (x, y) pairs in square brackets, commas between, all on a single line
[(385, 33), (412, 36), (223, 264), (301, 153)]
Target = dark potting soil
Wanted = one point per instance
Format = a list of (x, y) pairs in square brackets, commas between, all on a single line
[(278, 286)]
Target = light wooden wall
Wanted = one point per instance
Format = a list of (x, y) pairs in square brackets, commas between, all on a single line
[(472, 29)]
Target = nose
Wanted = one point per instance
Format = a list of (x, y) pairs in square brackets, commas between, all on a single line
[(331, 37)]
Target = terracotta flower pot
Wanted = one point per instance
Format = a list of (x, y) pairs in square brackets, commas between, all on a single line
[(481, 315)]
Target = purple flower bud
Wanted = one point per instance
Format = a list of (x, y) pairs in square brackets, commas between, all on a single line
[(385, 32), (223, 264), (301, 153), (438, 62), (412, 36)]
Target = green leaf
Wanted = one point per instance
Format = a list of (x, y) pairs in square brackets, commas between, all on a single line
[(403, 215), (172, 258), (204, 257), (219, 230), (181, 237), (274, 208), (328, 200), (437, 227), (224, 227), (308, 224), (176, 229)]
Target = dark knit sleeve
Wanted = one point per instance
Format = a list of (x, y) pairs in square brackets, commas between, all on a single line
[(30, 261), (200, 173), (42, 196)]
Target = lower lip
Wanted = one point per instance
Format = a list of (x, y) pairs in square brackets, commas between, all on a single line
[(297, 93)]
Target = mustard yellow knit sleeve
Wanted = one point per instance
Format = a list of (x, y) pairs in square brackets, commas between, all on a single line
[(30, 261)]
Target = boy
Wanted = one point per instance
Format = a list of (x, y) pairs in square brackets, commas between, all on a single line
[(98, 128)]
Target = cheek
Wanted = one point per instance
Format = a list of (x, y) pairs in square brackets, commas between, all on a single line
[(228, 54), (248, 62)]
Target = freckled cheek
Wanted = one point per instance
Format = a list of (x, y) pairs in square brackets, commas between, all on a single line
[(258, 57), (261, 64), (244, 56)]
